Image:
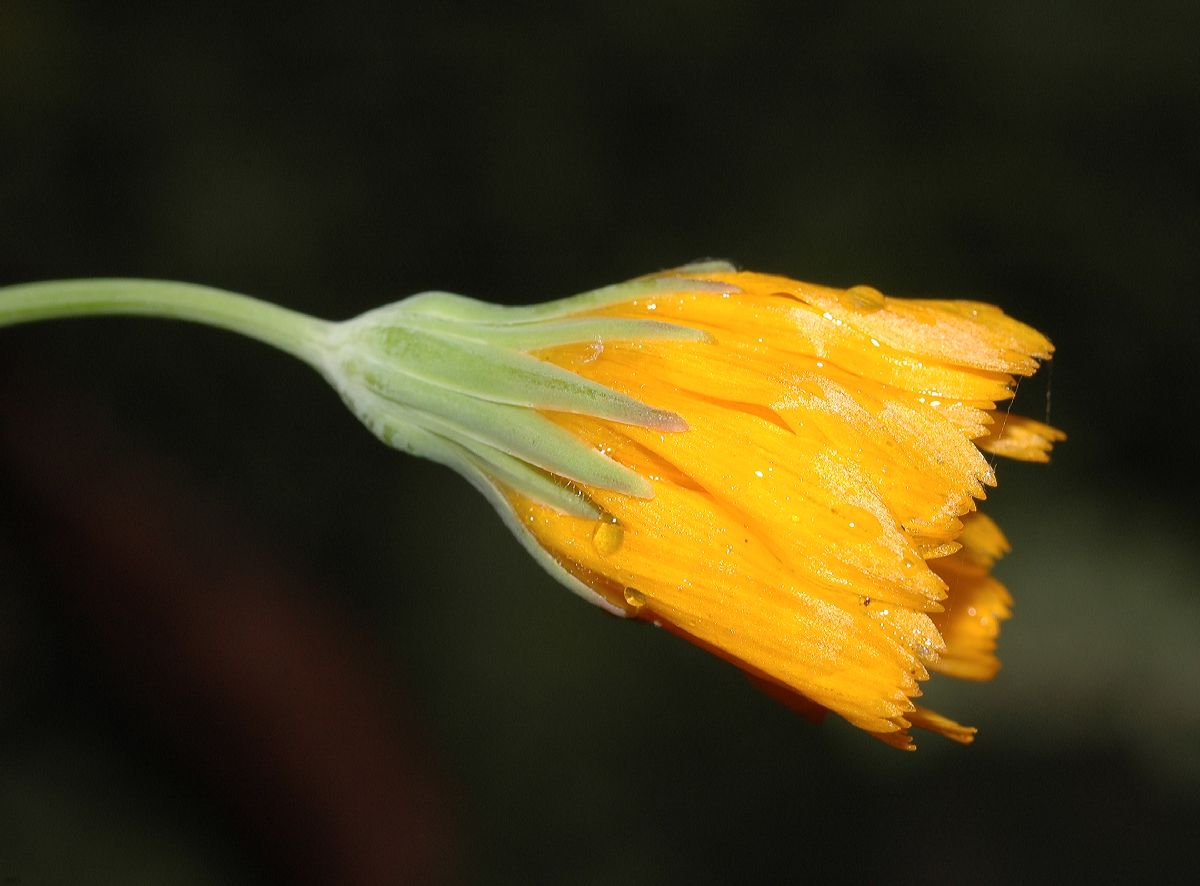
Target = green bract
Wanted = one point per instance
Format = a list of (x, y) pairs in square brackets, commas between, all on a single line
[(438, 375)]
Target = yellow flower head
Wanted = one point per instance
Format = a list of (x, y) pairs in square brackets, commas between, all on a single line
[(815, 524), (783, 473)]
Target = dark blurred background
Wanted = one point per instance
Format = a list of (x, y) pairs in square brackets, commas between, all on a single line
[(241, 642)]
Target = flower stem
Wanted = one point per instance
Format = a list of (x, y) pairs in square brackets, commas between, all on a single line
[(295, 333)]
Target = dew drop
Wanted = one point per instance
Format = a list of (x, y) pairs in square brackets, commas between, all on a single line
[(863, 298), (635, 598), (607, 536)]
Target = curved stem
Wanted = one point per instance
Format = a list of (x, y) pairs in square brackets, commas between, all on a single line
[(295, 333)]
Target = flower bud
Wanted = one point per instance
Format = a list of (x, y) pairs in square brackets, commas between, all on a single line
[(782, 473)]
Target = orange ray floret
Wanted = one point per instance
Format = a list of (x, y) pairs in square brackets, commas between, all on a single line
[(816, 523)]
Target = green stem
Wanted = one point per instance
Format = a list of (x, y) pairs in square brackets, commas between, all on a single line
[(295, 333)]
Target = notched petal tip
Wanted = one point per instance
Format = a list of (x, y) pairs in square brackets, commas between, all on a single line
[(923, 718), (1020, 438)]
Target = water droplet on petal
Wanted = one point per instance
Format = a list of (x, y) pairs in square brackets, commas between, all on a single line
[(607, 536), (635, 598), (863, 298)]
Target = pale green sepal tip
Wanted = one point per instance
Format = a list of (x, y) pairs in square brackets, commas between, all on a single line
[(581, 464), (394, 427), (492, 493), (503, 376), (552, 333), (519, 476), (458, 307), (532, 483), (429, 445), (519, 431), (706, 266)]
